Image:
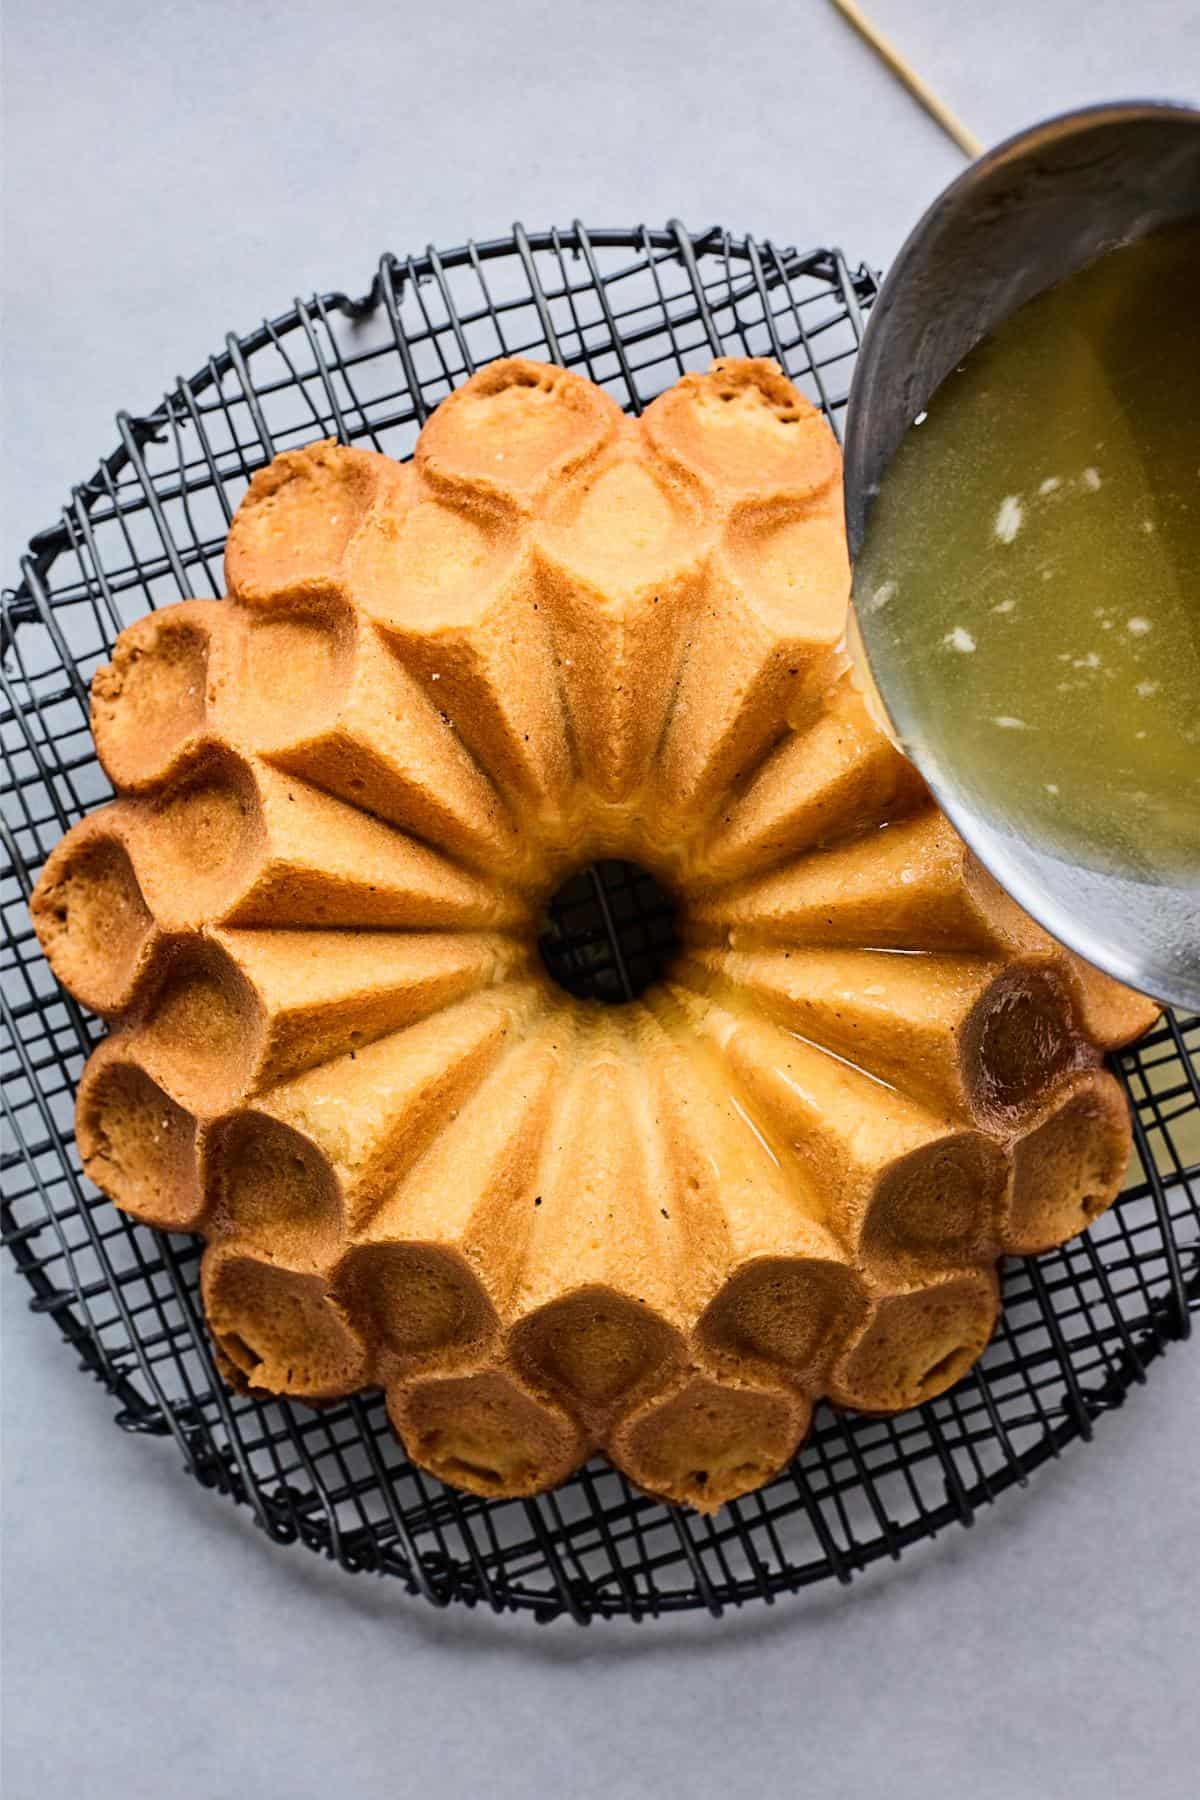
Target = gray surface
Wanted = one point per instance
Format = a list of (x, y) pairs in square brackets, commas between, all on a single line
[(174, 170)]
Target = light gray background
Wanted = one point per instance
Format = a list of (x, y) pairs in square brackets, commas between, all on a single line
[(173, 170)]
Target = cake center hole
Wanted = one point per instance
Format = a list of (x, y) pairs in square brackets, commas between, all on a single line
[(609, 932)]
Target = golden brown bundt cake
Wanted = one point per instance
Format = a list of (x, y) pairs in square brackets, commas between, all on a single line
[(546, 1226)]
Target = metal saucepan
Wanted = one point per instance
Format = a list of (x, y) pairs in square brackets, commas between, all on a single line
[(1018, 221)]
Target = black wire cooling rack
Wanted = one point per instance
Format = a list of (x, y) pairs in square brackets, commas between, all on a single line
[(633, 309)]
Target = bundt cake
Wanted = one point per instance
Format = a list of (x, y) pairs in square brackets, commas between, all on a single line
[(544, 1225)]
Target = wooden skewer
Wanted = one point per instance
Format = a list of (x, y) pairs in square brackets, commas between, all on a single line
[(950, 123)]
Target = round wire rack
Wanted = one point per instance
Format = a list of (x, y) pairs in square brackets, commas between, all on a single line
[(633, 309)]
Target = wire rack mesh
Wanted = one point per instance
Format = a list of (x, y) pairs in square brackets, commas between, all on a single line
[(632, 309)]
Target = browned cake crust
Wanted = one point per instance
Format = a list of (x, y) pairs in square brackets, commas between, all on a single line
[(344, 793)]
